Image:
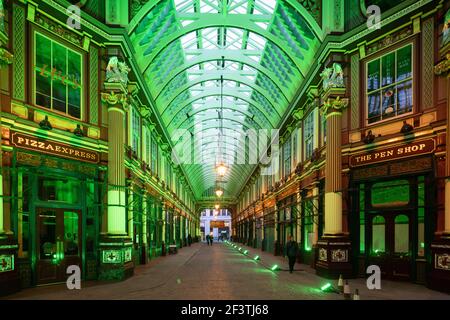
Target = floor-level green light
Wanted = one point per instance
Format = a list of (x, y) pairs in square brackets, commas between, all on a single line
[(274, 267), (256, 258), (246, 251), (326, 287)]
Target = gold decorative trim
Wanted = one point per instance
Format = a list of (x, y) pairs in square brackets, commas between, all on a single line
[(334, 105), (114, 99), (5, 57), (443, 67)]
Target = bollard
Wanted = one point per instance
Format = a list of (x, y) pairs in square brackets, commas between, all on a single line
[(356, 295), (347, 293), (341, 284)]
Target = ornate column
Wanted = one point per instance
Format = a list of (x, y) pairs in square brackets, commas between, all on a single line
[(9, 276), (276, 244), (299, 222), (116, 245), (164, 217), (254, 228), (144, 227), (439, 277), (333, 256)]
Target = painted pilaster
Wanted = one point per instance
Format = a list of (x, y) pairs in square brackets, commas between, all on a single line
[(9, 276), (333, 250), (439, 278), (116, 245)]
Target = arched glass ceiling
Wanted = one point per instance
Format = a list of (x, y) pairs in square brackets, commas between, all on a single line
[(262, 49)]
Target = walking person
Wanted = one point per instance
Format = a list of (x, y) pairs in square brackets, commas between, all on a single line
[(211, 237), (291, 251), (207, 239)]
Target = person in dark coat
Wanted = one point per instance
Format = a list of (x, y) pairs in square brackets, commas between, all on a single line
[(291, 252), (207, 239)]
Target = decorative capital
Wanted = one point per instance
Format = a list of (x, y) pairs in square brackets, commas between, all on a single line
[(443, 67), (114, 99), (334, 105), (5, 57), (298, 114)]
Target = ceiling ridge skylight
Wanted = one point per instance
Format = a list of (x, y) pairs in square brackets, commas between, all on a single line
[(262, 57)]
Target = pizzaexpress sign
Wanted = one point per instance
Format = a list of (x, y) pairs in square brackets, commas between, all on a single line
[(54, 148)]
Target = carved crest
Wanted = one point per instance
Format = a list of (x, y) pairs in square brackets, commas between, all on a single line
[(117, 71), (333, 77)]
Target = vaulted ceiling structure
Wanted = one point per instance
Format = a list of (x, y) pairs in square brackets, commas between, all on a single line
[(219, 68)]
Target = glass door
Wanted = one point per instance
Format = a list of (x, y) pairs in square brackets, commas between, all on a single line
[(58, 243), (389, 237)]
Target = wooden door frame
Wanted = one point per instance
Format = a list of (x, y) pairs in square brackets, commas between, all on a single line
[(389, 217), (59, 220)]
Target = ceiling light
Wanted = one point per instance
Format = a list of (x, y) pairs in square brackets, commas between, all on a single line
[(217, 206), (219, 192), (221, 169)]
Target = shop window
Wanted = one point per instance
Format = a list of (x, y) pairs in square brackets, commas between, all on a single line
[(135, 131), (308, 225), (23, 216), (362, 223), (58, 77), (378, 235), (54, 189), (154, 155), (323, 123), (294, 148), (287, 157), (148, 145), (92, 212), (389, 85), (71, 239), (401, 234), (421, 219), (309, 135), (47, 235), (390, 194)]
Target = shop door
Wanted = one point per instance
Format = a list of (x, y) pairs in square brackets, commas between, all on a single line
[(389, 237), (58, 243)]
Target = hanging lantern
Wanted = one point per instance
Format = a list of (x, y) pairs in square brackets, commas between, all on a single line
[(221, 169), (219, 192)]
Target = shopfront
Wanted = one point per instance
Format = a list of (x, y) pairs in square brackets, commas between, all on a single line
[(269, 230), (56, 205), (287, 221), (394, 214)]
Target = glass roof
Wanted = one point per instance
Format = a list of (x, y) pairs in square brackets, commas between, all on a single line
[(222, 67)]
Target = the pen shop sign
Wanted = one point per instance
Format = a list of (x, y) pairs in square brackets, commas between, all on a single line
[(53, 148), (393, 153)]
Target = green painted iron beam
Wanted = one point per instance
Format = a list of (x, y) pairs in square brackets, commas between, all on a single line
[(206, 55)]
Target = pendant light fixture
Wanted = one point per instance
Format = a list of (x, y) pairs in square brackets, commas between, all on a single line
[(221, 167)]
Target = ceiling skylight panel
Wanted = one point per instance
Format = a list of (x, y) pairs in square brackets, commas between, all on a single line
[(209, 37), (183, 5), (256, 41), (231, 65), (267, 5), (238, 7), (188, 39), (263, 25), (209, 6)]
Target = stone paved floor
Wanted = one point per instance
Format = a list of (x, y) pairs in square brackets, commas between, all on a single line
[(203, 272)]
